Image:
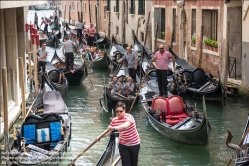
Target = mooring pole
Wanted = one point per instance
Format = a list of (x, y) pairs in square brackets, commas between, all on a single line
[(21, 74), (226, 61), (5, 103), (200, 47)]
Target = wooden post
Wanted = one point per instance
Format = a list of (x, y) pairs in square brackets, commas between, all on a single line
[(5, 102), (65, 16), (155, 40), (200, 47), (21, 74), (30, 66), (109, 26), (69, 15), (36, 71), (146, 30), (226, 57)]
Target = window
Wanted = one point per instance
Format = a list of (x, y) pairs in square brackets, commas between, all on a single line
[(142, 36), (117, 30), (174, 25), (132, 7), (116, 8), (159, 17), (141, 7), (193, 28), (72, 6), (108, 8), (105, 9), (210, 21)]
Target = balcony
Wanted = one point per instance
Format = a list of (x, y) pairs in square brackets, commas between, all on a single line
[(141, 11), (131, 10)]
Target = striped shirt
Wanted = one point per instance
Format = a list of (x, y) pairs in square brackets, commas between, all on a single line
[(68, 46), (128, 136)]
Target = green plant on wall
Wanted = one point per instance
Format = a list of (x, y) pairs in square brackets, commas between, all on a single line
[(193, 40), (163, 33), (207, 42), (215, 44)]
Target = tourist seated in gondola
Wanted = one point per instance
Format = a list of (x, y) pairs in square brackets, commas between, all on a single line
[(129, 87), (51, 36), (120, 79), (115, 86), (88, 54)]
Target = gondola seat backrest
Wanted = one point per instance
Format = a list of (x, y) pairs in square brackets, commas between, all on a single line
[(153, 75), (160, 107), (188, 75), (47, 130), (54, 75), (199, 76), (176, 109)]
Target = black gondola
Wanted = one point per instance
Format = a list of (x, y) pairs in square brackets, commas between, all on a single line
[(174, 119), (55, 42), (76, 76), (111, 152), (53, 75), (241, 150), (100, 42), (45, 134), (109, 99), (195, 82)]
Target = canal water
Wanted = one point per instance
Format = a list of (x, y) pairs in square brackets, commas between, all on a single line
[(89, 121)]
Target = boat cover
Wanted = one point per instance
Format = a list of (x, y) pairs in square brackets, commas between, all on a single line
[(53, 102)]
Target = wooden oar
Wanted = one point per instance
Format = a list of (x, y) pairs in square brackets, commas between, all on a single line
[(84, 59), (30, 108), (116, 161), (84, 151), (141, 84), (240, 143)]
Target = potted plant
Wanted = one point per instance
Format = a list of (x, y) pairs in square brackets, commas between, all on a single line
[(216, 46), (163, 35), (212, 43), (206, 41), (193, 41)]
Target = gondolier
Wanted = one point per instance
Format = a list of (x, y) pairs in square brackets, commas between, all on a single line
[(162, 65), (90, 31), (36, 20), (79, 26), (67, 49), (132, 63), (44, 21), (42, 60), (129, 141)]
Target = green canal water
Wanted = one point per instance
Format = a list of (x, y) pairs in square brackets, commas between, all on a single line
[(89, 121)]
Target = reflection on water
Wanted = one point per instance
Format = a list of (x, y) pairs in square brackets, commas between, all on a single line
[(89, 122)]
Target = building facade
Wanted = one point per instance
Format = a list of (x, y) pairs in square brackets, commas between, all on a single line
[(179, 26), (13, 16)]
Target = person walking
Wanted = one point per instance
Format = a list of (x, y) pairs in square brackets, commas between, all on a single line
[(132, 63), (44, 21), (67, 49), (36, 21), (129, 141), (161, 58), (79, 27), (90, 31)]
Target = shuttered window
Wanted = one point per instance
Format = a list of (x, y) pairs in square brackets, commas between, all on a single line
[(132, 7), (141, 7), (159, 17), (210, 21), (108, 8)]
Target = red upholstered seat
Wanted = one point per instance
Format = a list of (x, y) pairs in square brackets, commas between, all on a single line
[(159, 102), (175, 113)]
